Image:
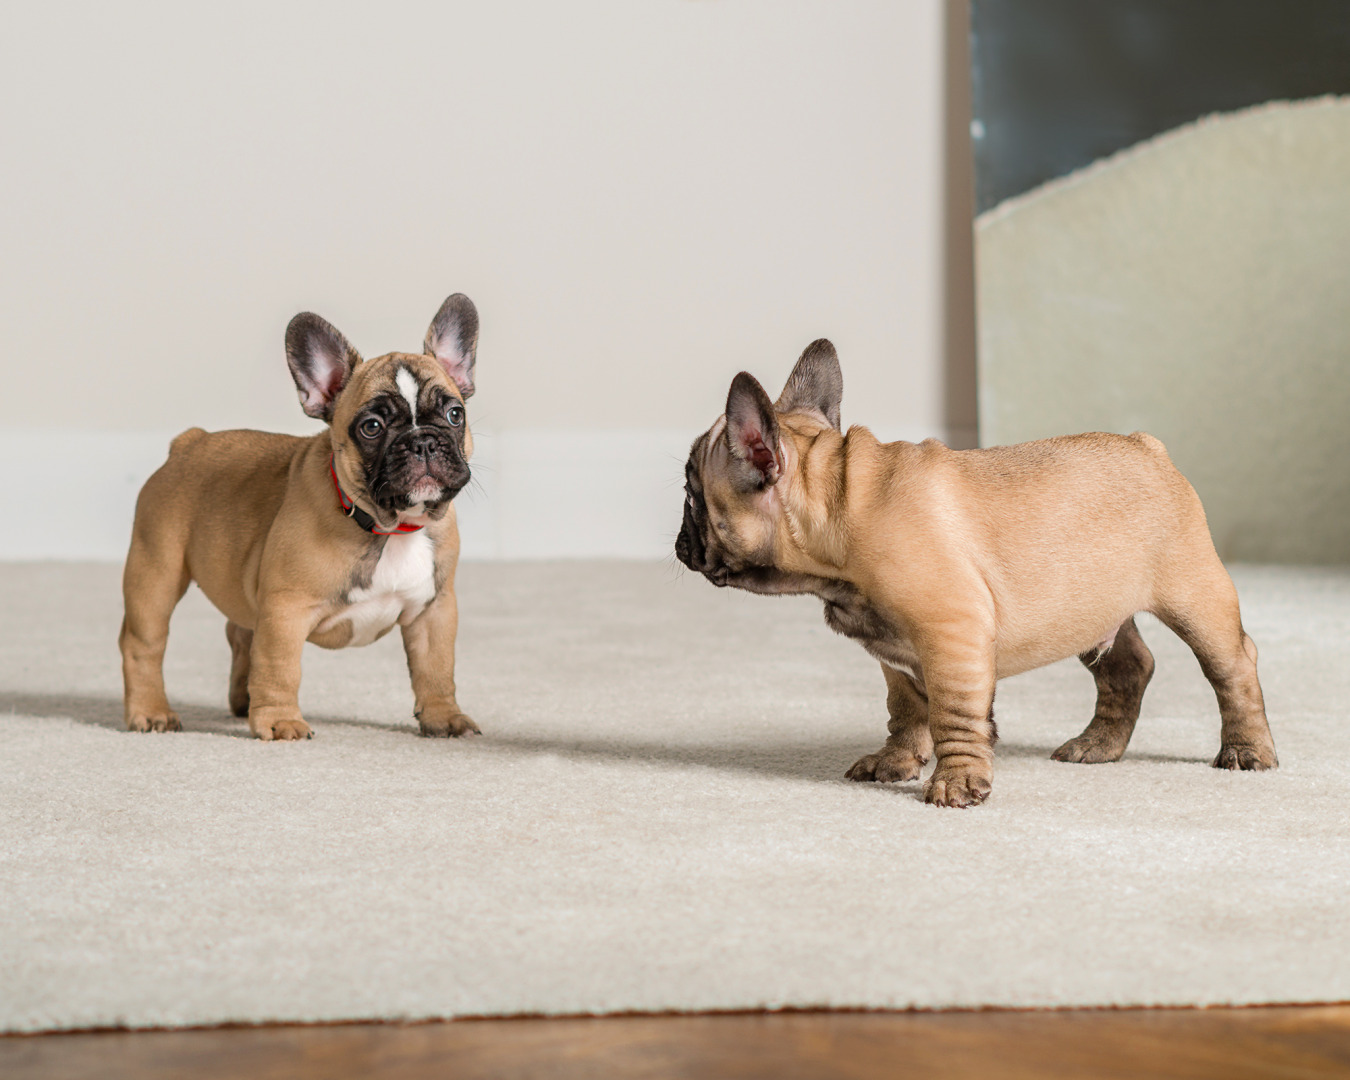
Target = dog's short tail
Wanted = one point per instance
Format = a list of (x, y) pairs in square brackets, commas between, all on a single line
[(1144, 439), (185, 439)]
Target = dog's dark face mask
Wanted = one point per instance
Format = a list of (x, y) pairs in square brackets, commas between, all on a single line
[(730, 506), (411, 439), (697, 545), (399, 425)]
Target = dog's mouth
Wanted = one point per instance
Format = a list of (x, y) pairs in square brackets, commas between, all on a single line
[(766, 580), (422, 486), (426, 490), (692, 550)]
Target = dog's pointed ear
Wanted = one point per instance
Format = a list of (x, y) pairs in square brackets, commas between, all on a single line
[(752, 431), (452, 339), (321, 361), (816, 384)]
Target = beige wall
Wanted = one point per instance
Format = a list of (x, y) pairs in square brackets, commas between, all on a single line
[(641, 197)]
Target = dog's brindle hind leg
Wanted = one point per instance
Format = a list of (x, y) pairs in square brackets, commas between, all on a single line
[(910, 743), (1203, 612), (1122, 672), (241, 640)]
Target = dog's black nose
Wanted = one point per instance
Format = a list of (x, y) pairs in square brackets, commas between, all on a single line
[(422, 444)]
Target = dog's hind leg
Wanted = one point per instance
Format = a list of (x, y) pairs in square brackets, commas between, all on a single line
[(910, 743), (153, 582), (1122, 672), (241, 640), (1203, 611)]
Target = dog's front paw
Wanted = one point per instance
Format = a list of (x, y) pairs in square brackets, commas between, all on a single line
[(957, 787), (153, 720), (446, 723), (1245, 757), (1090, 750), (278, 726), (889, 766)]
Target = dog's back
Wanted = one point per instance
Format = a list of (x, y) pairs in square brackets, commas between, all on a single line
[(1069, 535), (213, 473)]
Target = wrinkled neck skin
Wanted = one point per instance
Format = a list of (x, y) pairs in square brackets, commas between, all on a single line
[(810, 513)]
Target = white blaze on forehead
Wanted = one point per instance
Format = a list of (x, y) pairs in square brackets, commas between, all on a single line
[(406, 382)]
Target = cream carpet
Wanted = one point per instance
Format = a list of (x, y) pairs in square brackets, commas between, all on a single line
[(654, 819)]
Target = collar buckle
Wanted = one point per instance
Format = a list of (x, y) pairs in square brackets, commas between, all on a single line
[(351, 510)]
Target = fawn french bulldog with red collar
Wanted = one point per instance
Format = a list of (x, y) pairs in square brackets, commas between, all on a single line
[(958, 568), (335, 538)]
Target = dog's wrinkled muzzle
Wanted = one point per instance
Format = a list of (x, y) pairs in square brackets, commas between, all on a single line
[(689, 547), (691, 551), (457, 482), (682, 549)]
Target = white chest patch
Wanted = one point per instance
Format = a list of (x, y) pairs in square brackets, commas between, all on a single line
[(403, 584)]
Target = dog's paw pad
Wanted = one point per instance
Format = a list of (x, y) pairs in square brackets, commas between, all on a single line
[(448, 726), (1086, 750), (890, 766), (864, 769), (284, 731), (959, 789), (1246, 758), (158, 721), (897, 766)]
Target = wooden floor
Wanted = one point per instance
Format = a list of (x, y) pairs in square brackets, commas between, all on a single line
[(1233, 1044)]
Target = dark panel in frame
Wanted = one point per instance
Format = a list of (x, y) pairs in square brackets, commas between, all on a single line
[(1060, 83)]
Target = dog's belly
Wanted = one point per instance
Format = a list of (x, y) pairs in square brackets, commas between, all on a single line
[(1065, 618), (403, 584), (848, 613), (1051, 643)]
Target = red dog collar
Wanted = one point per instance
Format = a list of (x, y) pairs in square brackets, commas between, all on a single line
[(348, 507)]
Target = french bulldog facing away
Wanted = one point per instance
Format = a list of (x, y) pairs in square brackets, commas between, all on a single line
[(958, 568), (333, 539)]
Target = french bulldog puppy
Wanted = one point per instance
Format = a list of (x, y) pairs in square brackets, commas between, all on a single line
[(333, 539), (958, 568)]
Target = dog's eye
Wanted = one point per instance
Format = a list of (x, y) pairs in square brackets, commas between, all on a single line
[(455, 414), (371, 427)]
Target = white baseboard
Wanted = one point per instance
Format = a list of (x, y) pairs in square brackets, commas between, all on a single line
[(538, 494)]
